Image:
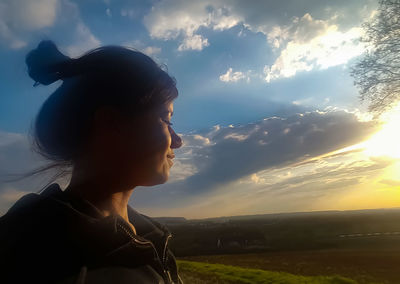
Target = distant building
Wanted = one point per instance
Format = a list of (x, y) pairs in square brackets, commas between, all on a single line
[(219, 243)]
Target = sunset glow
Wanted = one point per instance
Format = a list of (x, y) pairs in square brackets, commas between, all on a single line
[(386, 142)]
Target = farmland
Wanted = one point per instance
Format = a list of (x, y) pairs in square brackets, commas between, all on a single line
[(200, 272), (372, 266), (363, 245)]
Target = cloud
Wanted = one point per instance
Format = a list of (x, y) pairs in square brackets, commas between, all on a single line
[(224, 156), (130, 13), (263, 15), (172, 19), (301, 29), (240, 151), (21, 21), (108, 13), (331, 172), (390, 182), (194, 42), (327, 183), (84, 41), (256, 179), (311, 44), (304, 36), (231, 76), (181, 170), (323, 184), (82, 37), (18, 18), (151, 51)]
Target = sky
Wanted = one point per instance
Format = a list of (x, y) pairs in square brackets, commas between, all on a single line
[(268, 112)]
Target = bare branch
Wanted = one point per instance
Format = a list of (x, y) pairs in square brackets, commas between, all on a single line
[(377, 74)]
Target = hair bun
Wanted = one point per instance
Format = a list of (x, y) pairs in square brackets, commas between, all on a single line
[(45, 63)]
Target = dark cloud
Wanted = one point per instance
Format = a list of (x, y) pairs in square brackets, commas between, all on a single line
[(236, 152), (274, 142)]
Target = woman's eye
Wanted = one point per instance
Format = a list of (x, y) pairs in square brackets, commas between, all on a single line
[(167, 122)]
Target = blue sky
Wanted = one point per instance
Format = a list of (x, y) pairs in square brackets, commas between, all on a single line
[(265, 82)]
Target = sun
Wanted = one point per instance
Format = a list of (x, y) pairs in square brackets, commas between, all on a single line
[(386, 142)]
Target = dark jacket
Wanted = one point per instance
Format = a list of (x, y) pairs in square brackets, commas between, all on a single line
[(54, 237)]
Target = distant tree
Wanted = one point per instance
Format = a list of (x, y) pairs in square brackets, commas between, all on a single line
[(377, 74)]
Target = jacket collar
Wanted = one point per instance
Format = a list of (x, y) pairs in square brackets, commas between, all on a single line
[(145, 226), (80, 227)]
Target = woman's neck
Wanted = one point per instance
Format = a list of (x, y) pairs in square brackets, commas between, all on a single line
[(109, 202)]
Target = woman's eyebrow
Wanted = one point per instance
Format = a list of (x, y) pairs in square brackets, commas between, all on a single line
[(168, 112)]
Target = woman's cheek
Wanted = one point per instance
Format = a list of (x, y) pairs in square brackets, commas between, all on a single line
[(164, 139)]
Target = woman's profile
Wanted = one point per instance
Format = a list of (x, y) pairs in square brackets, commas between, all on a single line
[(109, 121)]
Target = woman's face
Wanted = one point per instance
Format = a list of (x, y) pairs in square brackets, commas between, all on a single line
[(150, 143)]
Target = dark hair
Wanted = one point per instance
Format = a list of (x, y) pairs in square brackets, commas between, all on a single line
[(106, 76)]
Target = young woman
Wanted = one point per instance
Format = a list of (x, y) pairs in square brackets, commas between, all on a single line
[(109, 121)]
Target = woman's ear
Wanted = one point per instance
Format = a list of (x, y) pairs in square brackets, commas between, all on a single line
[(108, 119)]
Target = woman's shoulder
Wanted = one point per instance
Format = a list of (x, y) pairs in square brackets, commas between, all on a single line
[(28, 208), (23, 210)]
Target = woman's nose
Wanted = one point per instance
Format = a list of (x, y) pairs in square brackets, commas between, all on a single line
[(176, 140)]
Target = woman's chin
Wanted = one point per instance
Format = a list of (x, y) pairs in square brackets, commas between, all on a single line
[(159, 179)]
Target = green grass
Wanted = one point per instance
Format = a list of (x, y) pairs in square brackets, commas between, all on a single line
[(201, 272)]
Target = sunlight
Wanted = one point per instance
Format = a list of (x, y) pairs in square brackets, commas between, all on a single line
[(386, 142)]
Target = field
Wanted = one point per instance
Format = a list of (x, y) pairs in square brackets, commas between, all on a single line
[(362, 245), (206, 273), (365, 266)]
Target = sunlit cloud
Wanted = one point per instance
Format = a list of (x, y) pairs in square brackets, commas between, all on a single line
[(231, 76), (172, 19), (311, 45), (315, 40), (194, 42)]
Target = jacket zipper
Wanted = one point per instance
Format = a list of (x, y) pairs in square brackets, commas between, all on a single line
[(137, 240), (152, 245), (165, 249), (165, 258)]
